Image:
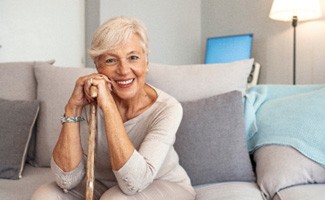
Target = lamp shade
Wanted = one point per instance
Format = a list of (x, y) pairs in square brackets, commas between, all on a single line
[(284, 10)]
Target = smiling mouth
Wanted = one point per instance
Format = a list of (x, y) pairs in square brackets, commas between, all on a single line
[(125, 83)]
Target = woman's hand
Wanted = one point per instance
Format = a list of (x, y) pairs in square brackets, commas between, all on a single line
[(81, 94), (104, 88)]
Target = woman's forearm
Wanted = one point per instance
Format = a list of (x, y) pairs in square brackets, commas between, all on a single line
[(68, 150), (120, 146)]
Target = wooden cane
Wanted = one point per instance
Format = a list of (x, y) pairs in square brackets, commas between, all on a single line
[(91, 146)]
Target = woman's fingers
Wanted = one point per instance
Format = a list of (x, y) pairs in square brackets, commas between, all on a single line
[(92, 83)]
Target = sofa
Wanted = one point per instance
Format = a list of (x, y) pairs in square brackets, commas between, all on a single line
[(236, 143)]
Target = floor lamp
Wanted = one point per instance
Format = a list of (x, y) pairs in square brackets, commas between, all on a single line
[(294, 10)]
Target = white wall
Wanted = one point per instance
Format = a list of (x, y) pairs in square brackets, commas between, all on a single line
[(42, 30), (273, 40), (174, 26), (46, 29)]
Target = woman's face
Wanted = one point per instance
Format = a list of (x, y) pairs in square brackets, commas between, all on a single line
[(126, 66)]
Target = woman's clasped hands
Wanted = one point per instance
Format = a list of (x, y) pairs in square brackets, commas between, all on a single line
[(82, 96)]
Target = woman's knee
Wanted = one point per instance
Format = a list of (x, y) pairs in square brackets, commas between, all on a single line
[(114, 193), (51, 191), (156, 190), (47, 191)]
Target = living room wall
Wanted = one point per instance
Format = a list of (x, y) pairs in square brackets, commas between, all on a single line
[(33, 30), (178, 31), (42, 30), (174, 27), (273, 40)]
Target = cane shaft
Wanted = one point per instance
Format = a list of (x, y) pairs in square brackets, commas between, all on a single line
[(93, 91), (91, 151)]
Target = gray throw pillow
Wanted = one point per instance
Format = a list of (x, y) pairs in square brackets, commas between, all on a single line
[(17, 119), (211, 140)]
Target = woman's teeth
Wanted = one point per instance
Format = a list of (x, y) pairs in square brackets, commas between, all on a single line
[(125, 82)]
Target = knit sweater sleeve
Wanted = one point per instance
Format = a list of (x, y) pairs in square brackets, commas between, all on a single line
[(144, 164), (68, 180)]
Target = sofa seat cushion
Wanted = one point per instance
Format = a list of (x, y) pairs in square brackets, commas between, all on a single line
[(228, 191), (302, 192), (23, 188), (279, 167)]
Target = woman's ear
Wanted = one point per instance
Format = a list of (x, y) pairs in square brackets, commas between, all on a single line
[(147, 58), (96, 62), (147, 63)]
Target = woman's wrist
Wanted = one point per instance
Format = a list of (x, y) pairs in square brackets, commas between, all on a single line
[(72, 111)]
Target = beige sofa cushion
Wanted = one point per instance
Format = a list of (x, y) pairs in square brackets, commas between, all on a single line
[(17, 81), (279, 167), (22, 189), (228, 191), (55, 85), (302, 192), (206, 80)]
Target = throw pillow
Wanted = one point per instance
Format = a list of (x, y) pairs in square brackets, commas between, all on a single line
[(279, 167), (54, 87), (211, 140), (17, 119), (205, 79)]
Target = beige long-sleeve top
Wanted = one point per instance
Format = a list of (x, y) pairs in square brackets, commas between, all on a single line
[(153, 134)]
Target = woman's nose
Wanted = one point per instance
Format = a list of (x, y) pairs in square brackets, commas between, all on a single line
[(123, 67)]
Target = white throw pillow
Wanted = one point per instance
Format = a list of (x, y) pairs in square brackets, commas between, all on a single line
[(192, 82)]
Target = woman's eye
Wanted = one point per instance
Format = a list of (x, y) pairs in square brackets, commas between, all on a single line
[(134, 58), (110, 61)]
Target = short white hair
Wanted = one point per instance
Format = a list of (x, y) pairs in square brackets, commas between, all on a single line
[(115, 32)]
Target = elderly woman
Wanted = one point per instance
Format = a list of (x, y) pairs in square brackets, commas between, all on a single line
[(137, 123)]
